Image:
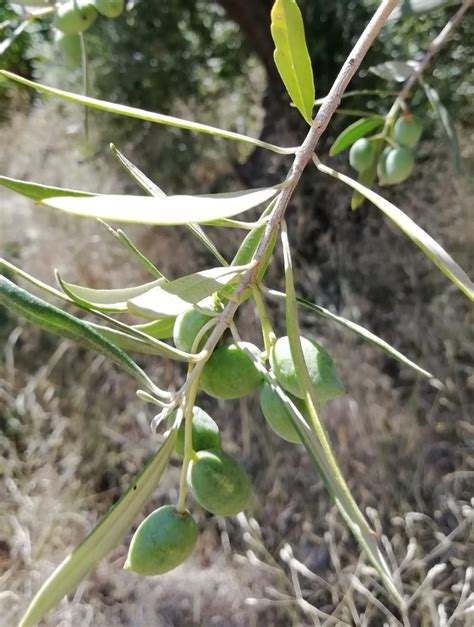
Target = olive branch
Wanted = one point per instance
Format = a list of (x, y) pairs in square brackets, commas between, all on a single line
[(217, 292)]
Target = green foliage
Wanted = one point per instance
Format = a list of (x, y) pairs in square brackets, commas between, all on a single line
[(219, 483), (205, 432), (230, 373), (70, 46), (163, 541)]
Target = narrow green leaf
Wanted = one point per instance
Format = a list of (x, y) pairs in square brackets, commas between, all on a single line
[(398, 71), (38, 192), (348, 508), (161, 329), (103, 538), (132, 343), (164, 210), (147, 115), (359, 330), (111, 301), (446, 122), (353, 132), (291, 55), (428, 245), (176, 296), (153, 190), (53, 319)]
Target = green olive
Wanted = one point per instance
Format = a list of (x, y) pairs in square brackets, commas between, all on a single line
[(230, 373), (407, 131), (205, 432), (163, 540), (219, 483), (362, 154), (277, 415), (75, 17), (187, 326), (109, 8), (321, 370), (399, 165), (381, 165)]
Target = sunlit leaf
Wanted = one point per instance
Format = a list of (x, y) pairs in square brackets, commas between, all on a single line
[(161, 329), (359, 330), (446, 122), (398, 71), (53, 319), (110, 301), (164, 210), (38, 192), (173, 298), (291, 55), (410, 7), (147, 115), (105, 537), (353, 132), (428, 245)]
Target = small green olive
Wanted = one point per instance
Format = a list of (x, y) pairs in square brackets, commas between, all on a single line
[(230, 373), (399, 165), (75, 17), (407, 131), (277, 415), (362, 154), (163, 540), (205, 432), (219, 483), (109, 8), (187, 326)]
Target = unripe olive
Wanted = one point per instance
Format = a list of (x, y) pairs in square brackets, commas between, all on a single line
[(205, 432), (230, 373), (362, 154), (407, 131), (163, 540), (187, 326), (70, 46), (277, 415), (219, 483), (75, 17), (321, 370), (109, 8), (399, 165), (381, 165)]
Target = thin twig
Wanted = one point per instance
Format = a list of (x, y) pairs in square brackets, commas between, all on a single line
[(436, 45)]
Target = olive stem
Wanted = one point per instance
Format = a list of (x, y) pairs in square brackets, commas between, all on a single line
[(189, 453), (268, 333)]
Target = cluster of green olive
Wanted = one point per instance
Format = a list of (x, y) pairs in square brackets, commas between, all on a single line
[(396, 161), (76, 16), (218, 482)]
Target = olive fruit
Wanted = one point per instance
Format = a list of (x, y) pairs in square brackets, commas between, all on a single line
[(219, 483), (277, 415), (187, 326), (399, 165), (70, 46), (75, 17), (407, 131), (321, 370), (381, 165), (109, 8), (230, 373), (362, 154), (163, 540), (205, 432)]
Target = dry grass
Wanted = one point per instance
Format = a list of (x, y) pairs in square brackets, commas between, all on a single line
[(72, 433)]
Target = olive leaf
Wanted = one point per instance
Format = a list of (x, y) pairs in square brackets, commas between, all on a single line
[(353, 132), (410, 7), (109, 301), (161, 329), (398, 71), (428, 245), (446, 122), (148, 116), (109, 532), (173, 298), (6, 43), (130, 342), (53, 319), (39, 192), (164, 210), (316, 441), (359, 330), (291, 55)]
